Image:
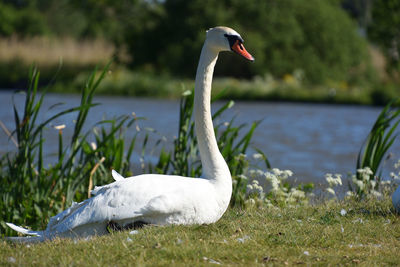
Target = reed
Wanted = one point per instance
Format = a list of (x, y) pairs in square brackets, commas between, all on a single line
[(375, 147), (35, 192), (45, 51)]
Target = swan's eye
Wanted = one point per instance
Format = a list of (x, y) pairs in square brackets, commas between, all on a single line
[(233, 38)]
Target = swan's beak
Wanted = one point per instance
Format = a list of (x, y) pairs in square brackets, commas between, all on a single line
[(239, 49)]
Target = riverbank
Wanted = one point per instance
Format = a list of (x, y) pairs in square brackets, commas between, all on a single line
[(330, 233), (124, 82)]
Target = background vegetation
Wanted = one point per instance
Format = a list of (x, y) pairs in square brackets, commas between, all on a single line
[(325, 51)]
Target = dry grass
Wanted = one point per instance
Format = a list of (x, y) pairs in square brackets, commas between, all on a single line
[(369, 234), (46, 52)]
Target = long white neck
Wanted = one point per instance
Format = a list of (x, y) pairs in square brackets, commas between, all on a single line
[(214, 165)]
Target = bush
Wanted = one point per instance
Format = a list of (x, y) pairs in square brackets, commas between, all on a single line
[(314, 36), (23, 22)]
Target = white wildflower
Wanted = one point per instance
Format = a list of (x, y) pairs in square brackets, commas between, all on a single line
[(288, 173), (252, 172), (257, 156), (397, 164), (373, 183), (306, 253), (276, 171), (360, 184), (338, 178), (93, 145), (59, 127), (333, 181), (242, 239), (298, 194), (243, 177), (251, 201), (376, 193), (134, 232), (343, 212), (330, 190)]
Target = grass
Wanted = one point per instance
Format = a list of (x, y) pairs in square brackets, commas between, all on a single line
[(368, 234)]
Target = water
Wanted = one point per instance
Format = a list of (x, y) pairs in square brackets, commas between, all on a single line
[(308, 139)]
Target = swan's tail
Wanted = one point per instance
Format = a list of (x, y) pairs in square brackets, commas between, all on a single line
[(36, 236), (23, 230), (117, 176)]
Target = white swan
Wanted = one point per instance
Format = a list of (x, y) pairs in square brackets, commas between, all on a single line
[(396, 199), (160, 199)]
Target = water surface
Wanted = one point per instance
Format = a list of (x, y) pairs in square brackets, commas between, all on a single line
[(309, 139)]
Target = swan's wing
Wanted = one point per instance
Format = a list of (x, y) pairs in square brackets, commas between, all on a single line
[(117, 176)]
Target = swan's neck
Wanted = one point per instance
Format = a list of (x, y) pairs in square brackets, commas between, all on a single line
[(214, 165)]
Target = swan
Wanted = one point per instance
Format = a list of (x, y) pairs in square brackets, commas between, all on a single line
[(155, 198), (396, 199)]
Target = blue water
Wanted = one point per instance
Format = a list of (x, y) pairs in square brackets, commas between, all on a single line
[(308, 139)]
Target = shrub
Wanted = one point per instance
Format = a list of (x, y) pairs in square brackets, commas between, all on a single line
[(314, 36)]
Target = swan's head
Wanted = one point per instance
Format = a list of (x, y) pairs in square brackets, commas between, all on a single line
[(225, 39)]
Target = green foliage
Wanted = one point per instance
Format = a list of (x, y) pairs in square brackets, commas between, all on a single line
[(385, 29), (379, 140), (35, 192), (314, 36), (24, 22)]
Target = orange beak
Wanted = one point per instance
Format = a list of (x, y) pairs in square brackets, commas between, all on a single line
[(239, 48)]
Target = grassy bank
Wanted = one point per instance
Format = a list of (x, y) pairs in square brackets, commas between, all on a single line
[(66, 63), (369, 234), (120, 81)]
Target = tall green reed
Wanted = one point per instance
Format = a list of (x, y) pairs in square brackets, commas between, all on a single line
[(375, 147), (31, 191)]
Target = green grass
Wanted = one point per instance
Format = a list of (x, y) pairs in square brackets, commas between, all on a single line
[(370, 236)]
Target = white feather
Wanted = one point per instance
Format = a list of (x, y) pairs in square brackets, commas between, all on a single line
[(117, 176), (23, 230)]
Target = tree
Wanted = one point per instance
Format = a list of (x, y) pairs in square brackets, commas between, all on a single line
[(385, 30)]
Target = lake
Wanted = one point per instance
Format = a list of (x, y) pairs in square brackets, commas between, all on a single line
[(309, 139)]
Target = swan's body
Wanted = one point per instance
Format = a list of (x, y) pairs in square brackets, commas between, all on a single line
[(396, 199), (161, 199)]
